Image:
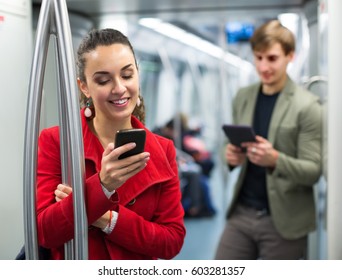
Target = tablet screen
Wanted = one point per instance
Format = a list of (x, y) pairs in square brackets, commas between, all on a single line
[(238, 134)]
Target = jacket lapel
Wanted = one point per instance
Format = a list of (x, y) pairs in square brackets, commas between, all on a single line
[(249, 107), (281, 107)]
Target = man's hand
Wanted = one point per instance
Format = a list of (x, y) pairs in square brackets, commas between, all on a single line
[(261, 152), (234, 155)]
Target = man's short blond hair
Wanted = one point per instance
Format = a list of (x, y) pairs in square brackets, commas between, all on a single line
[(270, 33)]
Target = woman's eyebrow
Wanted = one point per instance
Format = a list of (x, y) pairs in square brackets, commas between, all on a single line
[(127, 66), (106, 72), (100, 73)]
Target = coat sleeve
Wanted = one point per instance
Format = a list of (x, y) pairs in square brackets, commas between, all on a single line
[(163, 235), (55, 220)]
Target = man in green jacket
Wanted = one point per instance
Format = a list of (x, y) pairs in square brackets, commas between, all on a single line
[(272, 210)]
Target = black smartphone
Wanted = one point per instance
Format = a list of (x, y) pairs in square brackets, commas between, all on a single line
[(238, 134), (136, 135)]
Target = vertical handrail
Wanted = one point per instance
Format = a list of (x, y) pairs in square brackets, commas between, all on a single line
[(53, 19), (74, 126), (322, 183), (166, 62), (32, 130), (64, 142)]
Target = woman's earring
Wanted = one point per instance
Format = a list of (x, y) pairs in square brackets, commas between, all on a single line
[(139, 101), (87, 112)]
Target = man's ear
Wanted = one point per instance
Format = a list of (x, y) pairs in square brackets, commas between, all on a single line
[(83, 87), (291, 56)]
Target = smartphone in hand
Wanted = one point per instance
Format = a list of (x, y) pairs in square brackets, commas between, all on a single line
[(136, 135)]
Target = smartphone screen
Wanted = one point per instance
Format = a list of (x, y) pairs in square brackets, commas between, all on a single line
[(136, 135)]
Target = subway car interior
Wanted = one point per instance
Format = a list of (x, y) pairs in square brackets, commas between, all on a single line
[(193, 56)]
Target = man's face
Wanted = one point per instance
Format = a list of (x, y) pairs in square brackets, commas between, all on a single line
[(271, 65)]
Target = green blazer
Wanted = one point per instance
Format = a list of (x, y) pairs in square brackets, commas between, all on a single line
[(296, 132)]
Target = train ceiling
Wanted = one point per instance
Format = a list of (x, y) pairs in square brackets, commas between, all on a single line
[(99, 7), (205, 18)]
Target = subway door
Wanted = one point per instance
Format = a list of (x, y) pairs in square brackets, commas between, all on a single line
[(15, 57)]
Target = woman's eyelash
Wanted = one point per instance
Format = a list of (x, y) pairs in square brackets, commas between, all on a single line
[(102, 82), (127, 77)]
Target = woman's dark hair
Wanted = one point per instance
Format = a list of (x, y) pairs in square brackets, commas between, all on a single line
[(103, 37)]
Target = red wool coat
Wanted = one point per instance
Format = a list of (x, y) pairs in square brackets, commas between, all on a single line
[(150, 223)]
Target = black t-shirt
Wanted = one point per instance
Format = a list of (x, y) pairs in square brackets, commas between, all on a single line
[(253, 192)]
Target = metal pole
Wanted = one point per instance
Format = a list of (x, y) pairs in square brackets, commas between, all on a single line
[(74, 125), (32, 130), (53, 19), (64, 141), (334, 221), (321, 185), (166, 62)]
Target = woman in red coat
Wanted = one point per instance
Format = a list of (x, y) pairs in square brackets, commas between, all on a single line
[(133, 205)]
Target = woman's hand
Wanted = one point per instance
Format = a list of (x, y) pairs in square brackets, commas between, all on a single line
[(62, 191), (115, 172)]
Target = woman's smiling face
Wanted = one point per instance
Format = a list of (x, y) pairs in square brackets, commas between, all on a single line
[(112, 81)]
